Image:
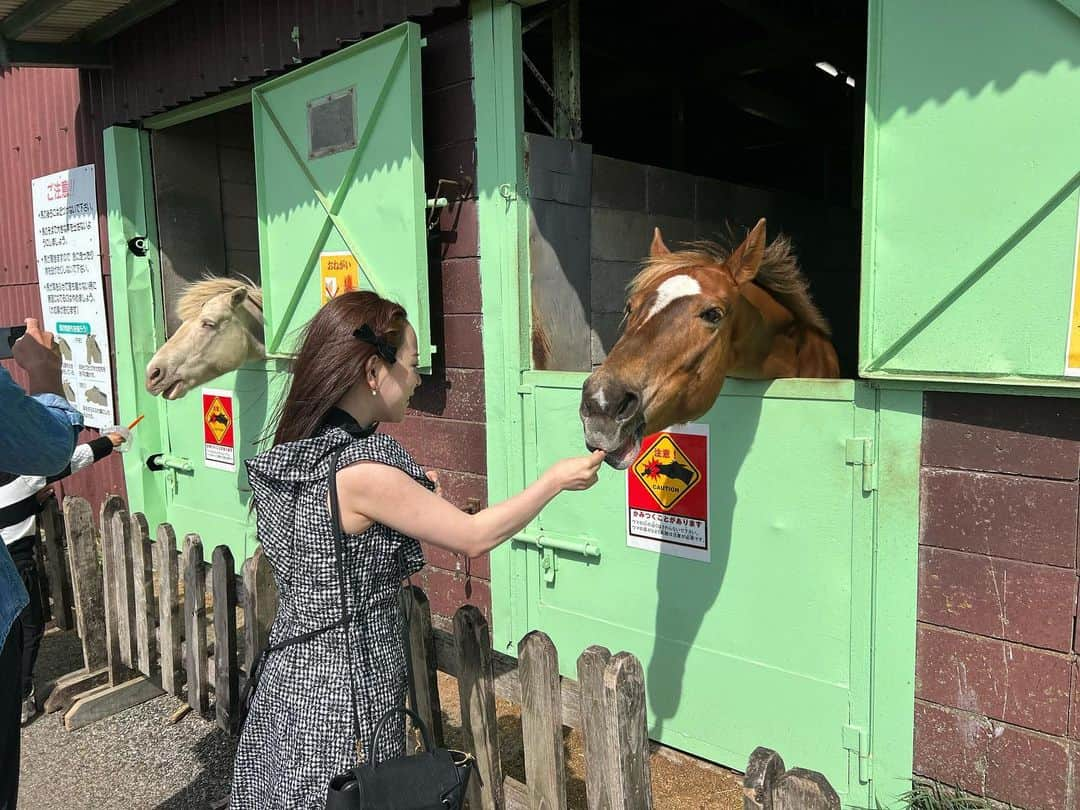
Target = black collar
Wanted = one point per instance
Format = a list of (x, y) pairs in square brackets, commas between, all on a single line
[(338, 418)]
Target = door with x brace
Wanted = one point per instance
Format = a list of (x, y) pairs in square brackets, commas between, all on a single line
[(340, 178)]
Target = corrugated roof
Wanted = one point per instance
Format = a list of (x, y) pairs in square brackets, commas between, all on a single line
[(66, 26)]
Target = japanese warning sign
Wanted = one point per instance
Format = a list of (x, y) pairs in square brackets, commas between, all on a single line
[(338, 273), (219, 445), (70, 283), (668, 494)]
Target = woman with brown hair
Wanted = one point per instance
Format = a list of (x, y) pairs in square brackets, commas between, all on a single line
[(335, 663)]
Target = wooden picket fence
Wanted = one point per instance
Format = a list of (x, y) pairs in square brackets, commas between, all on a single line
[(154, 620)]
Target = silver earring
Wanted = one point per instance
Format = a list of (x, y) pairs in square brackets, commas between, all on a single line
[(374, 393)]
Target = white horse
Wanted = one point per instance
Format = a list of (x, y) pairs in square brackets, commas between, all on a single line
[(222, 329)]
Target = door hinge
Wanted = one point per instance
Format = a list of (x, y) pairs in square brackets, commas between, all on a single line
[(860, 453), (855, 741)]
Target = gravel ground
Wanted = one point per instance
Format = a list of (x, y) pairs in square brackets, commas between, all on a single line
[(136, 760), (131, 760)]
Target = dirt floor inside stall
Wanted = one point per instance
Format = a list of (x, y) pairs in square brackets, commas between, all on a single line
[(137, 759)]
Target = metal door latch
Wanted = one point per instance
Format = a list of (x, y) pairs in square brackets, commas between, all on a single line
[(164, 461), (548, 545), (138, 246)]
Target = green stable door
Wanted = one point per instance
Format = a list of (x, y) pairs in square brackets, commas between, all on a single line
[(339, 179), (767, 642)]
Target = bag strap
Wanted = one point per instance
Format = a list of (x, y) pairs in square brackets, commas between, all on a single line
[(420, 724), (339, 564), (406, 641)]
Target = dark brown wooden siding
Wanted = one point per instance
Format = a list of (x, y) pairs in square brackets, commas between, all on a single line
[(198, 48), (445, 428), (997, 691)]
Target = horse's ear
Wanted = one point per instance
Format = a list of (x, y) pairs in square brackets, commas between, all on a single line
[(658, 248), (746, 259), (237, 297)]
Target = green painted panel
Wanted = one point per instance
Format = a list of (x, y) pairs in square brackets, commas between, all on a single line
[(971, 188), (495, 34), (362, 192), (891, 619), (755, 647), (213, 502), (137, 313)]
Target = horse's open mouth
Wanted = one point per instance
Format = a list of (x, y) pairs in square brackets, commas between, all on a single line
[(623, 456), (174, 391)]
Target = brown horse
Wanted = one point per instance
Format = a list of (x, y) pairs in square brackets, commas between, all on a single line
[(694, 317)]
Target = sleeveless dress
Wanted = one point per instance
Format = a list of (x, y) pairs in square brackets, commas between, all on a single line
[(299, 731)]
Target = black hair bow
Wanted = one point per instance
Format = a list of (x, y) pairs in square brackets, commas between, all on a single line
[(386, 350)]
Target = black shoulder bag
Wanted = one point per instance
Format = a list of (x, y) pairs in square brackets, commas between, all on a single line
[(433, 779)]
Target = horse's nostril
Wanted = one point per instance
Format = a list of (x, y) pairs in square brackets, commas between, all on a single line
[(154, 374), (628, 407)]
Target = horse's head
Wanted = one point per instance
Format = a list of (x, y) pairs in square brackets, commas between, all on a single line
[(221, 330), (676, 348)]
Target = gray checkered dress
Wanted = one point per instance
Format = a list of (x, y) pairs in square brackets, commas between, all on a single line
[(299, 731)]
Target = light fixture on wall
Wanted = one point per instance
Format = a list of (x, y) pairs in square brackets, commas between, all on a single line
[(828, 67)]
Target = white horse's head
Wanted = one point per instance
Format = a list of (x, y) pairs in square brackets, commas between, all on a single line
[(222, 329)]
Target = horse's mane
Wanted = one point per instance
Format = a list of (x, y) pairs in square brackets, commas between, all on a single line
[(197, 293), (779, 274)]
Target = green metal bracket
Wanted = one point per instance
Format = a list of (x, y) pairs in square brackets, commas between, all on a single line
[(859, 452)]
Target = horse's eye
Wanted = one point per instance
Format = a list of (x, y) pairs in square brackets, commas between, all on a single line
[(712, 315), (209, 325)]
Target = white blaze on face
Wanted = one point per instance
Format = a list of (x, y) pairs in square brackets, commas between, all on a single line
[(600, 399), (672, 289)]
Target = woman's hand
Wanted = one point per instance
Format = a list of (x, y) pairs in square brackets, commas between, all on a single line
[(116, 439), (577, 473)]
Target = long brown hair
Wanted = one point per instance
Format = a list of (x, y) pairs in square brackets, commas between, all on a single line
[(331, 360)]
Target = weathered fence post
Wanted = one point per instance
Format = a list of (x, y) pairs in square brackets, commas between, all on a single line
[(479, 721), (541, 722), (86, 580), (60, 585), (767, 786), (111, 576), (125, 588), (764, 767), (146, 612), (89, 597), (624, 702), (195, 661), (226, 676), (170, 622), (422, 650), (260, 605), (123, 690), (800, 789), (599, 755)]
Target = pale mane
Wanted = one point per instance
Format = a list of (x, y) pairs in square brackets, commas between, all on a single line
[(779, 274), (198, 293)]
